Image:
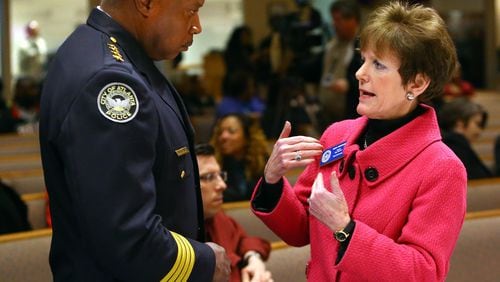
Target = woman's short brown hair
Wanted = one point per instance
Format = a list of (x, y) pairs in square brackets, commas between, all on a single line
[(418, 37)]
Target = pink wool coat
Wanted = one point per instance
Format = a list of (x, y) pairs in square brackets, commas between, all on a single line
[(407, 197)]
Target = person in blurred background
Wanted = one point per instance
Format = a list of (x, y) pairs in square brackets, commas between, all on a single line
[(304, 38), (458, 87), (247, 253), (242, 150), (33, 52), (462, 122), (240, 96), (239, 54), (25, 109), (339, 93)]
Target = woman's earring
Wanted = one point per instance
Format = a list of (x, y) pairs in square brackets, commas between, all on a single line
[(410, 96)]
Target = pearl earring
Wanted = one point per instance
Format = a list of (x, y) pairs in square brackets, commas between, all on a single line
[(410, 96)]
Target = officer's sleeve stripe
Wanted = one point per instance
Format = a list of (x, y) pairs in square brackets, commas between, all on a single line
[(184, 263), (179, 261), (184, 270), (173, 274), (189, 262)]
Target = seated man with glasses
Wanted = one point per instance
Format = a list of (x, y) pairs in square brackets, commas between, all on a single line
[(247, 254)]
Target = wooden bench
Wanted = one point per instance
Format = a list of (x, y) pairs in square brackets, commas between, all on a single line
[(36, 203), (13, 138), (24, 181), (287, 263), (26, 147), (20, 162), (203, 127), (483, 194), (241, 212), (24, 256), (477, 254)]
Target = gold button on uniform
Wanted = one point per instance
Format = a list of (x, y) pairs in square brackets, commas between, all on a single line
[(183, 173)]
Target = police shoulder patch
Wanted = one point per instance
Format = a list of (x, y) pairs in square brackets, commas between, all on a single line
[(118, 102)]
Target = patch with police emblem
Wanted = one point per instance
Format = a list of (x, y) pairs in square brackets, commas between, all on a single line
[(118, 102)]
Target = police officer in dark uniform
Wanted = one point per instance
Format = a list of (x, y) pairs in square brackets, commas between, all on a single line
[(117, 151)]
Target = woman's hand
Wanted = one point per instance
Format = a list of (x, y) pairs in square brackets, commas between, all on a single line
[(255, 271), (290, 152), (329, 207)]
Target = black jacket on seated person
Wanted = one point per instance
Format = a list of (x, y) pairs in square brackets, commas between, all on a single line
[(464, 151), (13, 211)]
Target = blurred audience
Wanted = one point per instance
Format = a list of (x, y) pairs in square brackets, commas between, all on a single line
[(26, 105), (304, 37), (22, 115), (462, 122), (214, 71), (7, 123), (239, 54), (292, 104), (33, 52), (242, 150), (247, 253), (273, 53), (240, 96), (339, 93), (458, 87), (197, 100)]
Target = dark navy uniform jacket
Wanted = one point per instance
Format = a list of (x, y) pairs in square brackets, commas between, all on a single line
[(119, 164)]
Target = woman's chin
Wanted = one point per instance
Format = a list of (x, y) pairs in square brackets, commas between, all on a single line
[(361, 109)]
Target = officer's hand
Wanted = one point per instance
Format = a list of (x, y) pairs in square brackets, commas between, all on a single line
[(222, 263)]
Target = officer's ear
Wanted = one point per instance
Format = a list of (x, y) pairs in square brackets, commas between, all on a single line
[(144, 7)]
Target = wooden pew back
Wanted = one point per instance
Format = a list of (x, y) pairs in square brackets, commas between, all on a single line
[(483, 194), (24, 256), (241, 212), (477, 254)]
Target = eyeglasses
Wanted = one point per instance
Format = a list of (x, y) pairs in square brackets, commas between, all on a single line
[(211, 176)]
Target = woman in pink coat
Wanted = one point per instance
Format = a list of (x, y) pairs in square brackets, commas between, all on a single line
[(382, 197)]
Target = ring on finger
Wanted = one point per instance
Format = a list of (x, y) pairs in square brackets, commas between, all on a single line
[(298, 156)]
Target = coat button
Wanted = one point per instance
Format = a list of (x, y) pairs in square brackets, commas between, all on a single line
[(341, 166), (371, 174)]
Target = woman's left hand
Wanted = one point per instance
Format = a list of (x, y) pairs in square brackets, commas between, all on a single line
[(329, 207)]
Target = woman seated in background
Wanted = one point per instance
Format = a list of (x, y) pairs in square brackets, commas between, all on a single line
[(242, 149), (462, 122), (22, 115)]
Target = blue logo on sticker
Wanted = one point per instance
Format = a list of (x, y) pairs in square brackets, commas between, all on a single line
[(332, 154)]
